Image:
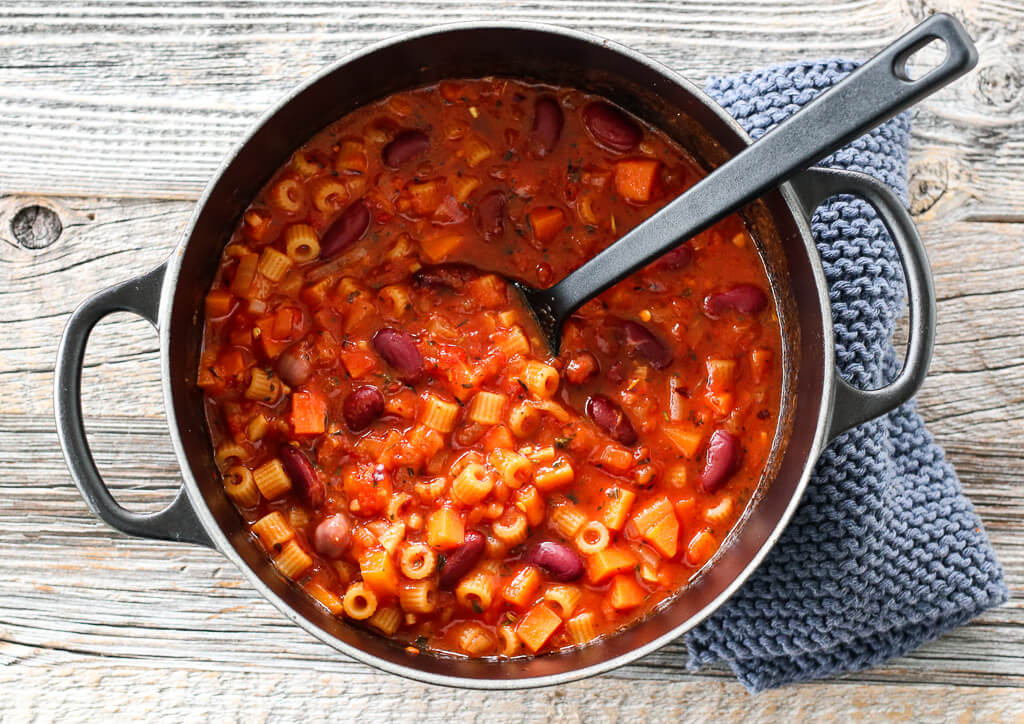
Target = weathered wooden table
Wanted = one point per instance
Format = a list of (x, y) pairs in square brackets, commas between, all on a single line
[(115, 114)]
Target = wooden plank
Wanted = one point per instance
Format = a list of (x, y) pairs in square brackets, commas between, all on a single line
[(144, 100), (98, 691)]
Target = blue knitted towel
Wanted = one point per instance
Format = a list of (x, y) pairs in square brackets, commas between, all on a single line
[(884, 553)]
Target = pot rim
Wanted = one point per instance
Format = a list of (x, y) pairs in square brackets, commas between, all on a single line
[(221, 541)]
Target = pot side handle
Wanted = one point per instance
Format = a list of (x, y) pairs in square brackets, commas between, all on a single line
[(141, 296), (851, 406)]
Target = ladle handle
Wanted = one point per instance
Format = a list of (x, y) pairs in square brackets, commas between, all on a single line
[(869, 96)]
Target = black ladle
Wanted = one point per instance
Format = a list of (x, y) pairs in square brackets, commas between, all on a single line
[(871, 95)]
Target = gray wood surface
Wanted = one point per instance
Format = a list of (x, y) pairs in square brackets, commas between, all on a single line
[(115, 114)]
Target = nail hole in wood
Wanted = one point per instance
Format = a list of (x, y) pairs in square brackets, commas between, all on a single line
[(36, 227)]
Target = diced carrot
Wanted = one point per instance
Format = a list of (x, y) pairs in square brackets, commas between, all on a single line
[(360, 312), (635, 178), (463, 186), (309, 412), (651, 512), (616, 457), (327, 319), (688, 441), (325, 349), (658, 525), (358, 362), (241, 337), (615, 510), (286, 320), (445, 529), (379, 571), (721, 374), (664, 535), (231, 364), (477, 150), (606, 563), (426, 196), (272, 347), (219, 302), (721, 402), (489, 290), (552, 477), (436, 248), (498, 437), (521, 589), (547, 222), (315, 294), (625, 592), (685, 508), (537, 626), (210, 381), (367, 493), (402, 403)]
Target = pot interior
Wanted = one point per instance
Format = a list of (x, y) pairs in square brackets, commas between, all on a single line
[(546, 55)]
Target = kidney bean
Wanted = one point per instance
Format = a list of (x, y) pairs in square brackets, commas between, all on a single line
[(547, 125), (678, 258), (459, 562), (489, 214), (332, 536), (560, 561), (580, 368), (362, 406), (346, 230), (641, 341), (294, 365), (743, 298), (399, 350), (305, 481), (610, 127), (404, 146), (610, 418), (722, 459)]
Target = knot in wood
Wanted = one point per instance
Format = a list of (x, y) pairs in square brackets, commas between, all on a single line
[(999, 84), (929, 181), (36, 227)]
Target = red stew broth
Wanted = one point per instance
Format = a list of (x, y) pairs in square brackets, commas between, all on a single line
[(349, 491)]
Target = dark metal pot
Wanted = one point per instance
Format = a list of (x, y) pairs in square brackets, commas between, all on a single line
[(817, 406)]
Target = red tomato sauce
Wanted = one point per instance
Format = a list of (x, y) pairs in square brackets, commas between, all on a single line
[(384, 412)]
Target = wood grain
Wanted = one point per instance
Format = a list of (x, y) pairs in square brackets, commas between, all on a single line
[(115, 114)]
